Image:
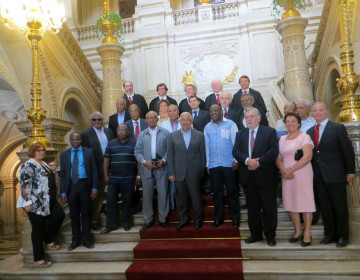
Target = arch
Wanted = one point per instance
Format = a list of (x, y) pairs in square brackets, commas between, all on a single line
[(330, 93)]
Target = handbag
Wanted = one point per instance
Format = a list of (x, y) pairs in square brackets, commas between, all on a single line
[(298, 154)]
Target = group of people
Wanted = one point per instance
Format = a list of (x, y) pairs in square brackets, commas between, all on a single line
[(183, 150)]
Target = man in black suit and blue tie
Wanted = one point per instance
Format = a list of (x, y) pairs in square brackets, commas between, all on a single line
[(78, 185), (256, 149), (200, 117)]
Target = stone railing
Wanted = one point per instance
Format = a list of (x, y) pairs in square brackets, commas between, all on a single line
[(186, 16), (226, 10), (278, 100)]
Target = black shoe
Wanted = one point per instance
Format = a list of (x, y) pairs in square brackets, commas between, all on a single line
[(217, 223), (198, 224), (327, 240), (271, 242), (74, 245), (107, 230), (127, 227), (181, 225), (342, 242), (95, 226), (296, 239), (164, 224), (89, 244), (253, 239), (148, 225), (236, 223)]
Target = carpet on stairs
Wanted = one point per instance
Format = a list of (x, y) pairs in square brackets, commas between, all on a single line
[(188, 254)]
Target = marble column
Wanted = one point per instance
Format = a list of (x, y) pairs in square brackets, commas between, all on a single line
[(296, 76), (111, 61), (8, 213), (353, 189)]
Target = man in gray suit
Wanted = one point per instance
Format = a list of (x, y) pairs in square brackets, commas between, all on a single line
[(151, 152), (187, 160)]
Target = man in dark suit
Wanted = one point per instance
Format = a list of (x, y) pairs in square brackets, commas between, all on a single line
[(334, 165), (187, 160), (247, 101), (120, 117), (97, 137), (256, 149), (162, 92), (225, 101), (78, 185), (184, 106), (136, 124), (214, 98), (200, 117), (244, 82), (133, 98)]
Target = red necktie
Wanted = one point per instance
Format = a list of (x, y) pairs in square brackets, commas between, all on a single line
[(130, 100), (252, 141), (245, 91), (226, 114), (217, 98), (316, 135), (137, 130)]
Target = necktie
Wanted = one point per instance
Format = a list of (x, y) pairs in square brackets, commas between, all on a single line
[(75, 168), (316, 135), (174, 126), (245, 91), (130, 100), (218, 98), (195, 115), (226, 114), (252, 141), (137, 130)]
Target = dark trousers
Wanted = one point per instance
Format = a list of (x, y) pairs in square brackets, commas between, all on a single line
[(334, 208), (97, 203), (220, 176), (116, 186), (262, 209), (45, 229), (184, 189), (79, 201)]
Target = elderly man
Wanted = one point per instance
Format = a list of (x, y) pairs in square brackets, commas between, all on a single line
[(334, 165), (97, 138), (184, 106), (136, 124), (200, 117), (120, 117), (214, 98), (132, 98), (259, 103), (303, 108), (256, 149), (187, 159), (162, 92), (289, 107), (225, 101), (219, 142), (151, 153)]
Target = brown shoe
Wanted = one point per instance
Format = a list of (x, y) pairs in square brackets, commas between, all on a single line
[(52, 246), (43, 264)]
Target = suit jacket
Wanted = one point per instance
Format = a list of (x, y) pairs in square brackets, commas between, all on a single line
[(210, 100), (201, 121), (143, 126), (259, 101), (184, 162), (185, 107), (154, 103), (143, 150), (266, 148), (113, 122), (140, 101), (90, 169), (334, 157), (90, 140), (231, 113), (239, 117)]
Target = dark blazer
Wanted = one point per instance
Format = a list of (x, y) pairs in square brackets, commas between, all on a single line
[(259, 101), (143, 126), (113, 122), (239, 117), (90, 140), (90, 169), (334, 157), (210, 100), (185, 107), (266, 148), (186, 162), (201, 121), (140, 101), (154, 103)]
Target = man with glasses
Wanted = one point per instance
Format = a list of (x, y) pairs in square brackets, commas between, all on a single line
[(303, 108), (97, 137), (162, 92), (214, 98), (120, 117), (133, 98)]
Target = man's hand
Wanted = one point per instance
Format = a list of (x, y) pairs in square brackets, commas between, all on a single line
[(235, 165), (93, 194), (207, 170), (148, 164), (253, 163), (28, 208), (64, 199), (138, 180), (160, 163), (172, 178), (350, 177)]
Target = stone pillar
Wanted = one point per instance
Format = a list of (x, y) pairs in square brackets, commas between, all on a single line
[(296, 76), (8, 213), (110, 59), (353, 189)]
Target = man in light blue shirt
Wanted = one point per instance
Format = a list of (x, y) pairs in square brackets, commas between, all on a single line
[(219, 142), (303, 108)]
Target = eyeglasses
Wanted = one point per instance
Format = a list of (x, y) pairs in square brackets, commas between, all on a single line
[(151, 117), (94, 120)]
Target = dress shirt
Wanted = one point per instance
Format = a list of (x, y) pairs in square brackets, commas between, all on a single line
[(245, 91), (102, 138), (197, 113), (153, 133), (255, 132), (121, 118), (280, 128), (322, 127), (134, 125), (132, 97), (306, 124), (187, 137)]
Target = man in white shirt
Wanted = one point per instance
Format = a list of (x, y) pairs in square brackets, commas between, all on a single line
[(214, 98), (303, 108)]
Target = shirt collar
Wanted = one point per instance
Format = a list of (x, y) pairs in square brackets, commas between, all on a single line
[(96, 130), (182, 131), (255, 130), (73, 149), (324, 122)]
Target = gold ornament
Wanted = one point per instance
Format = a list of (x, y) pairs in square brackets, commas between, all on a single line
[(230, 78)]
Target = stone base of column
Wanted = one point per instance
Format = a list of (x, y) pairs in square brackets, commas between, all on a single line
[(354, 223)]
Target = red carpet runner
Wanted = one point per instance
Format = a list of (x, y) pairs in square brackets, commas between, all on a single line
[(205, 254)]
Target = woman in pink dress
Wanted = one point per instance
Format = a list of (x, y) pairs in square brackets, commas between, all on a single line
[(297, 177)]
